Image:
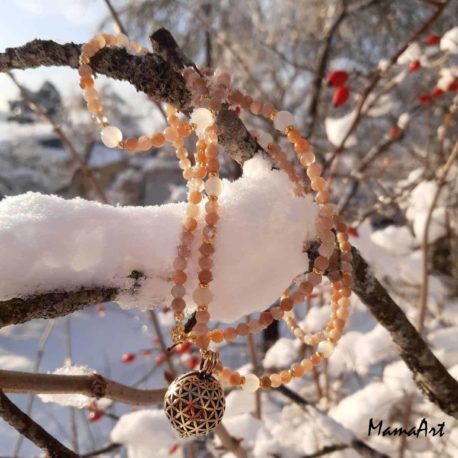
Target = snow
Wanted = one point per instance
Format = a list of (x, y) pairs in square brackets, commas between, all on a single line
[(281, 354), (75, 400), (374, 400), (398, 377), (239, 402), (337, 128), (48, 243), (449, 41), (413, 52), (145, 431), (12, 362)]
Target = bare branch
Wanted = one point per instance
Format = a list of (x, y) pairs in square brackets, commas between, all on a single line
[(24, 425)]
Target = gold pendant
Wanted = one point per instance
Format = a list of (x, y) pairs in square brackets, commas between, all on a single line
[(194, 402)]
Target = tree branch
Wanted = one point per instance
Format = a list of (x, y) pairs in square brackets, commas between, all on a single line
[(92, 386), (24, 425)]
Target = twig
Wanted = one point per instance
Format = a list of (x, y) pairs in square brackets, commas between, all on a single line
[(254, 362), (107, 449), (441, 181), (160, 337), (378, 76), (115, 17), (24, 425), (327, 450), (92, 386)]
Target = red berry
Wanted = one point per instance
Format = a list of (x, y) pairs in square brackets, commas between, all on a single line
[(353, 232), (173, 448), (414, 66), (128, 358), (433, 39), (312, 295), (95, 415), (424, 98), (146, 352), (237, 111), (192, 362), (395, 132), (337, 78), (159, 359), (437, 92), (340, 96), (453, 86), (183, 348), (100, 309), (166, 309)]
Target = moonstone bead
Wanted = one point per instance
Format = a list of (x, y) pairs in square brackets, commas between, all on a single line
[(202, 118), (251, 383), (111, 136), (282, 120), (202, 296), (265, 139), (326, 348), (213, 186)]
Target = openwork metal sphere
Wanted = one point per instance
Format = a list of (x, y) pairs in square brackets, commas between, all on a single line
[(194, 404)]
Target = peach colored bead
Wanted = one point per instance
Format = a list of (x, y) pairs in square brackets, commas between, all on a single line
[(178, 143), (322, 197), (348, 257), (131, 144), (187, 174), (206, 249), (275, 380), (229, 334), (195, 197), (202, 296), (202, 316), (306, 159), (286, 304), (285, 376), (216, 336), (184, 251), (179, 277), (277, 313), (212, 206), (211, 152), (343, 314), (178, 291), (293, 136), (157, 140), (205, 262), (181, 153), (170, 134), (144, 143), (347, 280), (346, 292), (90, 94), (255, 326), (306, 288), (211, 218), (178, 304), (266, 318), (235, 379), (202, 341), (297, 370), (314, 170), (186, 237), (255, 107), (267, 110), (190, 224), (313, 278), (335, 335), (301, 146), (318, 184), (200, 172), (192, 210), (180, 263), (213, 166), (344, 302), (184, 129), (225, 373), (200, 329), (306, 365), (205, 276), (94, 106), (85, 70), (265, 382), (316, 359), (242, 329), (321, 263), (86, 82), (209, 232)]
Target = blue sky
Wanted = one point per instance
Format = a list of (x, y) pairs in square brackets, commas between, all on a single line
[(62, 21)]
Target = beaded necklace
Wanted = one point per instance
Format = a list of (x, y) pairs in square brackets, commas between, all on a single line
[(194, 402)]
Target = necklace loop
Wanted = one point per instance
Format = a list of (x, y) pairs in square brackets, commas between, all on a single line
[(209, 361)]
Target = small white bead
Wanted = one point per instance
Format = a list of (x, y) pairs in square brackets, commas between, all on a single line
[(196, 184), (326, 348), (202, 296), (282, 120), (251, 383), (213, 186), (265, 139), (111, 136), (202, 118)]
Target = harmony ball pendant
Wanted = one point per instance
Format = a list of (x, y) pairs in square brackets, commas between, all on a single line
[(194, 402)]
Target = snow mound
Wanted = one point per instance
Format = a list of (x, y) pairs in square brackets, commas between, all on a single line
[(48, 243)]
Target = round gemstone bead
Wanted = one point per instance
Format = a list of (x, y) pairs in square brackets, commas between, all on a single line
[(202, 296), (265, 139), (326, 348), (213, 186), (111, 136), (282, 120), (251, 383)]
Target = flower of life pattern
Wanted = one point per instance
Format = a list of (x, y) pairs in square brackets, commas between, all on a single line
[(194, 404)]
